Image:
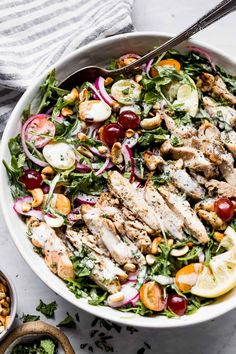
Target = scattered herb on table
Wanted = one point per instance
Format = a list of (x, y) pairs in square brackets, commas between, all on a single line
[(29, 318), (47, 310)]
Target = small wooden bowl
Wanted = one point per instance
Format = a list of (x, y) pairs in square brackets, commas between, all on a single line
[(30, 331)]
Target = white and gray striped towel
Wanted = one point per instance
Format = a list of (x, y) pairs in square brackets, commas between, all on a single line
[(36, 33)]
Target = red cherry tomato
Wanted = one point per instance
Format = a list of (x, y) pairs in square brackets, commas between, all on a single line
[(224, 208), (112, 133), (31, 179), (177, 304), (129, 120), (40, 131)]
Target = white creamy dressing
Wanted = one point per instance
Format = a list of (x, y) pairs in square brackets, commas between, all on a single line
[(59, 155)]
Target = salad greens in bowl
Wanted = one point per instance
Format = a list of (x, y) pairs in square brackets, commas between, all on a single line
[(120, 193)]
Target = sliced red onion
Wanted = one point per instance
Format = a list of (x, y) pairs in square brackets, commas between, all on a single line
[(59, 119), (33, 212), (73, 217), (131, 142), (130, 296), (83, 198), (49, 111), (148, 67), (104, 167), (134, 300), (201, 257), (137, 184), (129, 160), (203, 53), (92, 130), (24, 145), (96, 152), (81, 167), (100, 86), (133, 276)]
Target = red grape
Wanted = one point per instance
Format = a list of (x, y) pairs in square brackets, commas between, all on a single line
[(224, 208), (112, 133), (177, 304), (129, 120), (31, 179)]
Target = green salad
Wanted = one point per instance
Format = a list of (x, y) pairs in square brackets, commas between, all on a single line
[(44, 346), (127, 185)]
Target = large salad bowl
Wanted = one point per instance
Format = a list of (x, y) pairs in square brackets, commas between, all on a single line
[(98, 53)]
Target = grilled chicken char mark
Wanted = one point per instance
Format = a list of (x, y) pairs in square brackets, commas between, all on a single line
[(132, 199)]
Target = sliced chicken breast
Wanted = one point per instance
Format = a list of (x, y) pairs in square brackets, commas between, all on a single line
[(56, 255), (184, 212), (167, 218), (105, 272), (122, 252), (132, 199)]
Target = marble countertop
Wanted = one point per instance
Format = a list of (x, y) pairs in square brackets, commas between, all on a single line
[(218, 336)]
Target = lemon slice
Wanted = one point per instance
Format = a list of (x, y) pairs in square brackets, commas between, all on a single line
[(229, 240), (126, 91), (219, 277), (187, 95)]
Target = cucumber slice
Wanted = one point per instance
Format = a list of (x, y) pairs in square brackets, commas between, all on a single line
[(126, 91)]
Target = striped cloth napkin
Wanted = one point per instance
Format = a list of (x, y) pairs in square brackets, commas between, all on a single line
[(34, 34)]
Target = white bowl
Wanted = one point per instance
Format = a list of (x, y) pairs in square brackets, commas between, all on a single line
[(99, 53)]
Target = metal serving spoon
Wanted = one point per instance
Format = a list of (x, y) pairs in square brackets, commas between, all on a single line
[(90, 73)]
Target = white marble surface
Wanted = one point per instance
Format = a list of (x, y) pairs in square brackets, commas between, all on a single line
[(218, 336)]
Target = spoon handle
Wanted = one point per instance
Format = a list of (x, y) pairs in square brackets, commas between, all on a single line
[(222, 9)]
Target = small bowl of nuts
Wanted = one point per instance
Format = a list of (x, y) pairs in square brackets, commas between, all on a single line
[(7, 303)]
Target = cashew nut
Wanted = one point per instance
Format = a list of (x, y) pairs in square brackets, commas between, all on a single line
[(155, 244), (72, 96), (65, 111), (151, 123), (130, 267), (150, 259), (48, 170), (37, 195), (116, 153), (117, 297), (152, 161), (178, 252)]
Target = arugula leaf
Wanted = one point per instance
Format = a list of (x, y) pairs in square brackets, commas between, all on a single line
[(68, 322), (175, 141), (160, 179), (29, 318), (82, 263), (228, 79), (150, 137), (87, 183), (47, 310)]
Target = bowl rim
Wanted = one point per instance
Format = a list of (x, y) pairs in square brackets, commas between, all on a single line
[(14, 301), (97, 310)]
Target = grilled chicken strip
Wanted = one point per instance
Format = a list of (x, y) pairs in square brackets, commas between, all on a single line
[(229, 140), (56, 255), (220, 188), (184, 182), (222, 115), (132, 199), (185, 213), (182, 132), (211, 135), (123, 251), (193, 159), (205, 209), (104, 272), (134, 229), (170, 223), (215, 86)]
